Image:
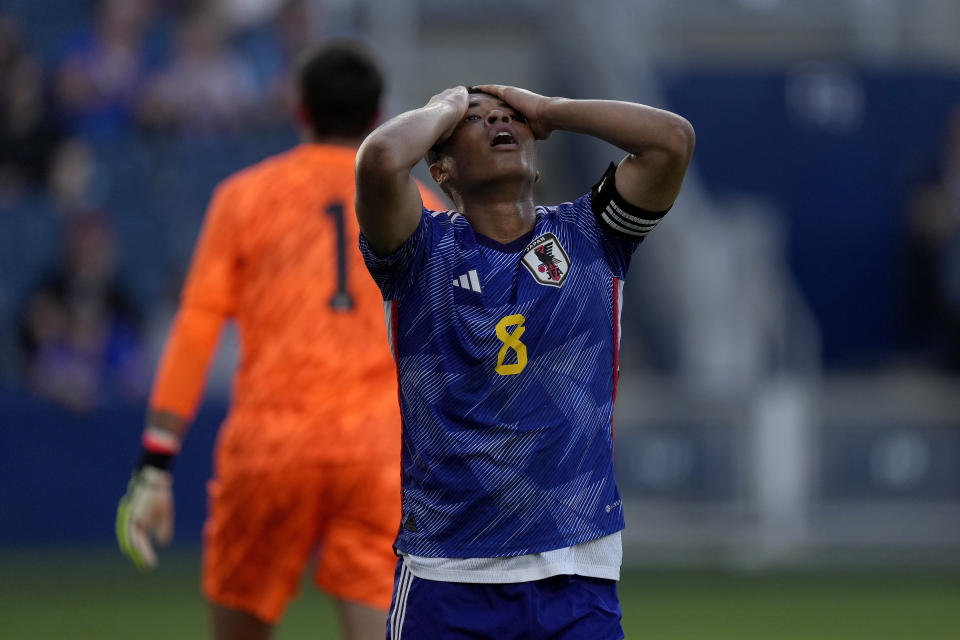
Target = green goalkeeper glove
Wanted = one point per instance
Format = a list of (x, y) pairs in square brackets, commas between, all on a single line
[(145, 513)]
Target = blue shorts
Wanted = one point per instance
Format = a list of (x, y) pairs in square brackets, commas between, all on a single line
[(564, 606)]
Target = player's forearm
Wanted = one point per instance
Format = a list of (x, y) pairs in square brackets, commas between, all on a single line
[(388, 202), (635, 128), (398, 144), (659, 145)]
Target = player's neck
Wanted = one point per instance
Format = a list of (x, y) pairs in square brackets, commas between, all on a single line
[(501, 220)]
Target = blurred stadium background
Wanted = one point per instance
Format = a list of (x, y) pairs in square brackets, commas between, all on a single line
[(788, 419)]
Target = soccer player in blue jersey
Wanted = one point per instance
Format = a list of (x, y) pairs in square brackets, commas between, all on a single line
[(504, 319)]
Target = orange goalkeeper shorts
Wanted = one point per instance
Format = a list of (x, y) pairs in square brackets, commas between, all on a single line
[(263, 528)]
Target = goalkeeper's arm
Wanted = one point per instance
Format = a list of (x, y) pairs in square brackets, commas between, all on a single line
[(145, 512)]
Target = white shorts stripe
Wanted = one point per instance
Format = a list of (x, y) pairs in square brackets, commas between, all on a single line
[(400, 606), (396, 606), (406, 596)]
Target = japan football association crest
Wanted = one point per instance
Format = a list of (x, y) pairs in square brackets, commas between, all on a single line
[(546, 260)]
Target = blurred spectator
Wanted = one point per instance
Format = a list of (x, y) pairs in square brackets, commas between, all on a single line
[(76, 184), (933, 264), (28, 135), (271, 47), (99, 78), (240, 15), (79, 332), (292, 28), (206, 87)]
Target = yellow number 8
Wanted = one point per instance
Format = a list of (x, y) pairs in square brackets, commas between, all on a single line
[(511, 340)]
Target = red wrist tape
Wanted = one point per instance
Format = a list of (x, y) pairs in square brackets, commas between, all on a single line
[(161, 441)]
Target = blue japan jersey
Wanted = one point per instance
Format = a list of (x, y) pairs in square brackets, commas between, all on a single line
[(507, 362)]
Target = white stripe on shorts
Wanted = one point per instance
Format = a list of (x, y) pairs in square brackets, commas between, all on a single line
[(400, 606)]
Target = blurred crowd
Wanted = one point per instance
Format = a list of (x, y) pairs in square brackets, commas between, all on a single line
[(156, 65), (152, 68)]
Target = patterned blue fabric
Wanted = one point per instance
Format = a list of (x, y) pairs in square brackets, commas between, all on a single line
[(506, 357)]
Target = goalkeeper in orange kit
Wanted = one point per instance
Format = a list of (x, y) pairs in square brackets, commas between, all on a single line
[(308, 455)]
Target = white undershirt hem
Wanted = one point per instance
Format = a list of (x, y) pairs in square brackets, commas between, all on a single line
[(600, 558)]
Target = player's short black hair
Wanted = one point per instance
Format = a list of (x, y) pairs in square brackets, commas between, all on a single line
[(433, 153), (340, 85)]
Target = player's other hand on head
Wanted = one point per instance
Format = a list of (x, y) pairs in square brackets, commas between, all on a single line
[(145, 514), (528, 103), (458, 99)]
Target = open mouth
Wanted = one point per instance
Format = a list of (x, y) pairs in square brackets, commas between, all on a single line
[(503, 138)]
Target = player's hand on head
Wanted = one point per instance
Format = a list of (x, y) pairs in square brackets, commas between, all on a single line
[(458, 99), (145, 514), (528, 103), (455, 95)]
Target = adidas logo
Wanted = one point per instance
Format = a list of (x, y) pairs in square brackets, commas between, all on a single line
[(468, 280)]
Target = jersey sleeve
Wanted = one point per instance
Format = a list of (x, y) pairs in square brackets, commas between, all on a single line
[(208, 298), (396, 273), (211, 282)]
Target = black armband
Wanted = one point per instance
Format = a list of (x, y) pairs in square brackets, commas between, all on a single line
[(162, 461), (618, 216)]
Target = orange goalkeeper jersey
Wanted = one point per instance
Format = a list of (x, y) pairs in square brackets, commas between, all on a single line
[(279, 254)]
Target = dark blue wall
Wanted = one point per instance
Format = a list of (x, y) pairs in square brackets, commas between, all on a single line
[(61, 474), (844, 193)]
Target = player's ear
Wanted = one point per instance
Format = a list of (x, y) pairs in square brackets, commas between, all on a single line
[(438, 173), (536, 177)]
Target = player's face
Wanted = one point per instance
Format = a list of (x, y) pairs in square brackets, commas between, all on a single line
[(492, 142)]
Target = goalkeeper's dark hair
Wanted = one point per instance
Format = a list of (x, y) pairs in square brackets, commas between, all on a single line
[(340, 85), (434, 153)]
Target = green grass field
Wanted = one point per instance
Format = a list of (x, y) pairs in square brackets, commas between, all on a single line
[(95, 594)]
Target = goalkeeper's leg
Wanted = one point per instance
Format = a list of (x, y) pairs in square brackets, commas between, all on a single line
[(357, 564), (233, 624), (360, 621)]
